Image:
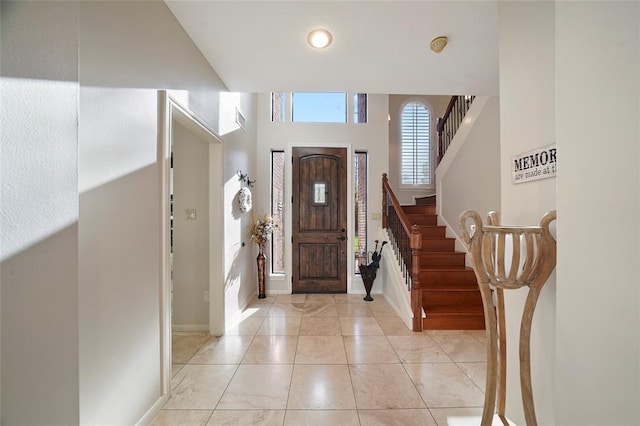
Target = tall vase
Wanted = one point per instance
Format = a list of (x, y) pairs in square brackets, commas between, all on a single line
[(262, 261)]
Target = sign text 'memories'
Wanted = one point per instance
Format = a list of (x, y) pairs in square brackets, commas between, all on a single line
[(535, 160)]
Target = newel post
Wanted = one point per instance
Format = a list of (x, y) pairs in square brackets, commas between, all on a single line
[(415, 244), (384, 200)]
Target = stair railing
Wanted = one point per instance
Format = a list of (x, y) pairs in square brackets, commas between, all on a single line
[(406, 241), (449, 123)]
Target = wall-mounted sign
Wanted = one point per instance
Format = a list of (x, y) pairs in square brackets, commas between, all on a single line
[(540, 163)]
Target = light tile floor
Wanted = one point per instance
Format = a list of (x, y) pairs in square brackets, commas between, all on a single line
[(326, 360)]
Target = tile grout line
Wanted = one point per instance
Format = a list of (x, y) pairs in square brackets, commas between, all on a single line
[(348, 363), (253, 336), (353, 388)]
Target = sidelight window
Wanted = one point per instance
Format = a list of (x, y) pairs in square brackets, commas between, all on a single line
[(277, 211), (360, 193)]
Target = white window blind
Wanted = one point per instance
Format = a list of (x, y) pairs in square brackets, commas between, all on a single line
[(415, 130)]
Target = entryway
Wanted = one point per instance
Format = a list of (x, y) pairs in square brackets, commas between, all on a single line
[(319, 213)]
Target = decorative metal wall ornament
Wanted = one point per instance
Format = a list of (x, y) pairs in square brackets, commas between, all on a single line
[(244, 177)]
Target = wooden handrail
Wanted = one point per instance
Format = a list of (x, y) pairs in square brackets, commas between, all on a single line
[(406, 240), (447, 113), (449, 123), (386, 188)]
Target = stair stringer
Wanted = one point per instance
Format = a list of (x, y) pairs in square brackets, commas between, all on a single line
[(393, 283), (460, 245)]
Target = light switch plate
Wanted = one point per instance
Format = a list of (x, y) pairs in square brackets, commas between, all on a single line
[(375, 216), (190, 214)]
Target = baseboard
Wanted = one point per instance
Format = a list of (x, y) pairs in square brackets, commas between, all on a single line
[(153, 411), (275, 292), (190, 327)]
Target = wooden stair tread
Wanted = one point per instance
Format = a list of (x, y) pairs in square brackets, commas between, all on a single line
[(443, 254), (454, 310), (425, 237), (427, 200), (443, 268), (450, 294), (425, 209), (449, 287)]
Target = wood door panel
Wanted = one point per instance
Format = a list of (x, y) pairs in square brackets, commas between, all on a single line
[(319, 219), (323, 260)]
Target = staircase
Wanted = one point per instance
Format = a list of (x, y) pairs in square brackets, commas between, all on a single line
[(450, 295)]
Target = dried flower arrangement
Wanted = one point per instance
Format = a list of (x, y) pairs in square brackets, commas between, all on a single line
[(261, 229)]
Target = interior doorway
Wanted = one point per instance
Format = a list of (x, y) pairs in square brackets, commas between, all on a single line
[(190, 222), (199, 212)]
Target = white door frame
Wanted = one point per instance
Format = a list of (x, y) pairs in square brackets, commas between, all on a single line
[(350, 212), (170, 110)]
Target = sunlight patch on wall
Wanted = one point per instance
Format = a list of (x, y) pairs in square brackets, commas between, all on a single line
[(118, 134), (227, 123), (234, 233), (39, 161)]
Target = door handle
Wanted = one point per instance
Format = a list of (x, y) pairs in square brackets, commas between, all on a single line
[(341, 238)]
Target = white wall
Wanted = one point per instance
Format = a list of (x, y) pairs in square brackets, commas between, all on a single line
[(396, 102), (581, 69), (528, 121), (372, 137), (469, 175), (39, 213), (190, 308), (240, 275), (128, 50), (597, 317), (80, 198)]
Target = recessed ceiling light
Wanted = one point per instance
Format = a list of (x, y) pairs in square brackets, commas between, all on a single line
[(319, 38)]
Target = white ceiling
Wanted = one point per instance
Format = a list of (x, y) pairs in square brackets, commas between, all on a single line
[(378, 46)]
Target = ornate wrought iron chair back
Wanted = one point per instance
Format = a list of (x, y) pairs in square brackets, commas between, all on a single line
[(530, 252)]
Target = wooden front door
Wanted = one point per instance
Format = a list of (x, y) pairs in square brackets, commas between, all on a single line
[(319, 220)]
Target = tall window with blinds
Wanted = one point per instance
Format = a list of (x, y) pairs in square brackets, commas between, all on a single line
[(415, 134)]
